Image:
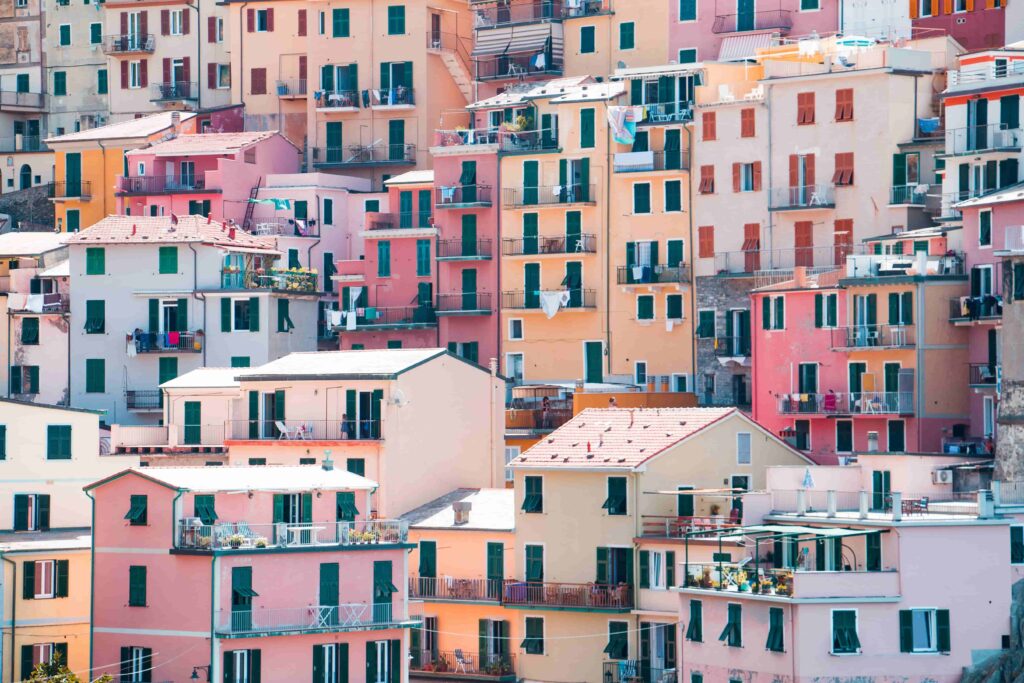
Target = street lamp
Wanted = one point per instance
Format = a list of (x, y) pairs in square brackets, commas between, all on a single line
[(197, 669)]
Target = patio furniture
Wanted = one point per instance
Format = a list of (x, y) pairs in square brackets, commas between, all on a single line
[(288, 433), (223, 532), (463, 661)]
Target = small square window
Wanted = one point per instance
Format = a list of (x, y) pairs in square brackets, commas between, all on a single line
[(515, 329), (241, 314)]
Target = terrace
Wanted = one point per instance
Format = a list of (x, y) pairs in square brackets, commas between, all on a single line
[(538, 246), (647, 275), (804, 197), (242, 537), (536, 410), (651, 160), (143, 185), (422, 316), (356, 156), (514, 66), (304, 430), (293, 88), (464, 250), (879, 504), (544, 140), (172, 92), (570, 596), (522, 300), (766, 20), (870, 266), (984, 375), (462, 196), (549, 195), (61, 189), (275, 279), (981, 74), (992, 137), (337, 99), (464, 303), (636, 671), (754, 260), (129, 43), (873, 337), (451, 589), (847, 404), (357, 616), (399, 221), (168, 342), (463, 665)]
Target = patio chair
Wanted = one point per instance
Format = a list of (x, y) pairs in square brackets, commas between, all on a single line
[(243, 529), (463, 661), (223, 532), (285, 432)]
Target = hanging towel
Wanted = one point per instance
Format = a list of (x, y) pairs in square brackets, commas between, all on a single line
[(447, 194), (564, 297), (669, 324), (550, 302), (350, 320), (335, 318), (130, 345), (556, 190), (638, 273), (173, 339), (34, 303), (539, 61)]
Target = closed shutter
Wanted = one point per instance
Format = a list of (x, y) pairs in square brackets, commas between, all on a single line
[(254, 314), (302, 22), (225, 314), (28, 580)]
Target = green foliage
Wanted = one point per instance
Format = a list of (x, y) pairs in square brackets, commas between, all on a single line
[(56, 671)]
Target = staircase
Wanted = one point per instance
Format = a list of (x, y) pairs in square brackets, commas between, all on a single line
[(249, 206), (453, 52)]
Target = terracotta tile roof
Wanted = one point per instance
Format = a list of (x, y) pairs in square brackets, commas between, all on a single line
[(205, 143), (603, 438), (160, 229)]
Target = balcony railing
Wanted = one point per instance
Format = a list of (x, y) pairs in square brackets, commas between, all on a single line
[(398, 96), (464, 250), (661, 160), (157, 184), (294, 87), (180, 90), (395, 318), (168, 342), (636, 671), (985, 71), (200, 435), (533, 420), (337, 99), (399, 221), (520, 300), (502, 14), (528, 140), (53, 302), (568, 595), (643, 275), (464, 664), (753, 21), (144, 399), (23, 143), (191, 534), (450, 588), (285, 228), (516, 66), (352, 616), (530, 246), (989, 137), (129, 43), (915, 194), (820, 196), (864, 503), (660, 526), (549, 194), (983, 374), (28, 100), (365, 155), (667, 112), (465, 303), (757, 260), (976, 308), (304, 430), (138, 436), (62, 189), (865, 337), (279, 280), (456, 196), (458, 137), (732, 347), (855, 403)]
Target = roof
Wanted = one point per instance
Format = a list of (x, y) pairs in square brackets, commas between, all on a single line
[(205, 143), (204, 378), (46, 541), (592, 92), (522, 94), (62, 269), (736, 48), (826, 280), (243, 479), (370, 364), (141, 127), (30, 243), (164, 230), (490, 510), (412, 178), (1012, 193), (618, 438), (929, 231), (33, 404)]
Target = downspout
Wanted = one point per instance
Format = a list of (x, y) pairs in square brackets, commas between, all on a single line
[(10, 320), (195, 295), (104, 155), (771, 226), (14, 612), (497, 249), (67, 317), (213, 675), (199, 57), (693, 277), (242, 29), (607, 245), (92, 582)]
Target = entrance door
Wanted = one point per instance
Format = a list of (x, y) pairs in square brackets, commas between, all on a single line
[(495, 569), (193, 423), (435, 30), (880, 490), (977, 124), (73, 174), (593, 361), (178, 79), (745, 15)]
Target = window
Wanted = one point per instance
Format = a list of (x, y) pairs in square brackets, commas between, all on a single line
[(645, 307), (258, 81), (24, 379), (746, 177), (241, 315), (60, 83), (31, 512), (709, 129), (844, 436), (136, 586), (688, 55), (65, 35), (843, 174), (383, 258), (134, 75), (674, 306), (515, 329), (284, 320), (747, 123), (396, 20), (732, 634), (223, 76), (707, 180), (641, 198), (263, 20), (586, 40), (901, 308), (533, 643), (688, 10), (896, 432), (826, 310), (44, 579), (640, 373), (21, 83), (95, 316), (533, 500), (960, 6), (95, 258), (137, 663), (356, 466), (673, 196), (810, 5), (805, 106), (985, 228), (844, 104), (773, 313), (657, 569), (844, 632), (217, 24), (243, 666), (177, 19), (924, 630), (587, 132), (95, 376), (102, 86), (423, 257), (706, 324), (340, 24), (695, 629), (743, 448), (58, 442), (138, 510), (627, 35), (775, 642), (615, 502), (29, 331)]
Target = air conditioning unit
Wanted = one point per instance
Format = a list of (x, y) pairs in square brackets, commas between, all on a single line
[(942, 476)]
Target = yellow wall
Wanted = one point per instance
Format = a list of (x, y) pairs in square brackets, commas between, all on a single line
[(100, 168), (650, 21)]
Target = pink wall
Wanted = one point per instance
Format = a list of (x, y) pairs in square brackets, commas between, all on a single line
[(977, 30), (289, 658)]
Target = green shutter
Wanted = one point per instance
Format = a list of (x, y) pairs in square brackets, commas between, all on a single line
[(30, 331), (819, 312), (906, 630), (766, 313), (168, 260), (279, 403), (942, 629), (780, 312), (872, 309), (95, 375), (329, 590), (1017, 544), (586, 39), (428, 559), (894, 308), (587, 137), (137, 586), (627, 35), (225, 314), (645, 569), (254, 314), (58, 442), (28, 580), (95, 261)]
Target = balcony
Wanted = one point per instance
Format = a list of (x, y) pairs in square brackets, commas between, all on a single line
[(992, 137), (129, 44), (646, 275), (336, 100), (514, 67), (571, 596), (292, 89), (62, 189), (984, 72), (873, 337), (545, 140), (144, 185), (732, 347), (915, 194), (357, 616), (666, 112), (138, 438), (462, 665), (357, 156), (191, 534), (901, 265), (169, 342), (976, 310), (636, 671), (549, 195), (494, 14), (984, 375), (867, 504), (527, 413), (408, 220), (450, 589), (283, 228), (53, 302), (23, 143), (144, 400), (299, 281), (14, 100), (198, 438), (579, 299), (174, 92), (641, 162), (852, 404), (754, 261), (464, 303), (460, 137), (399, 97), (464, 250), (462, 196), (541, 246), (394, 318), (735, 580), (805, 197), (767, 20), (661, 526), (304, 430)]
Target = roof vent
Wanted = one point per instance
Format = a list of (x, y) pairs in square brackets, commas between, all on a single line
[(461, 509)]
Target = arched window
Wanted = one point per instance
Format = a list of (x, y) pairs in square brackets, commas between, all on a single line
[(26, 177)]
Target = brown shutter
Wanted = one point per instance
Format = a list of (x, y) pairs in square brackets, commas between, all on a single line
[(709, 125), (184, 20), (143, 22), (706, 241), (809, 170), (250, 20), (144, 73), (947, 6), (211, 75), (837, 175), (757, 176), (810, 108), (270, 20), (167, 69), (124, 75), (186, 69), (302, 67), (794, 170), (804, 234), (165, 22), (747, 123), (211, 29), (124, 23), (735, 177), (258, 81), (302, 22)]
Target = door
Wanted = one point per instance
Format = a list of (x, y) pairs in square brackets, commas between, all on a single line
[(880, 490), (469, 302), (193, 423), (333, 132), (188, 175), (495, 569), (856, 371), (745, 15), (73, 174), (135, 37), (593, 361), (684, 502), (574, 283), (739, 482), (573, 232), (241, 599), (514, 367), (977, 124), (531, 285), (531, 174), (467, 182), (988, 414), (435, 30), (396, 140)]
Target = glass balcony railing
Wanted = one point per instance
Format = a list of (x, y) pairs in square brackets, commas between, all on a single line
[(549, 194)]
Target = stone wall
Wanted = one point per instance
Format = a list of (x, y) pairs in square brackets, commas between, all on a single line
[(721, 293), (28, 206)]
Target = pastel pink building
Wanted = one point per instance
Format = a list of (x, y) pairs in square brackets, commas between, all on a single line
[(835, 578), (210, 174), (192, 560)]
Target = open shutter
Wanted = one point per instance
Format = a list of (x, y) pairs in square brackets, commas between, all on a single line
[(62, 579), (602, 566), (819, 310), (270, 29), (942, 629), (645, 569), (26, 662), (254, 314), (28, 583), (225, 315), (124, 75), (906, 631), (229, 656), (165, 22), (371, 660), (144, 73), (250, 20)]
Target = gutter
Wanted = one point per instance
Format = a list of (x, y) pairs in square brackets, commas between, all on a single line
[(196, 294), (92, 582), (693, 276), (14, 613)]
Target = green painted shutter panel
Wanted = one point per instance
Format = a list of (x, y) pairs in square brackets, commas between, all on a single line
[(942, 629), (908, 308), (531, 284), (428, 559), (670, 569), (318, 653), (675, 253), (351, 396), (26, 662), (573, 230), (255, 666), (229, 665), (587, 128), (873, 559), (278, 507), (833, 310), (137, 586), (254, 314), (602, 566), (766, 313), (371, 660), (254, 414), (20, 512), (894, 308), (377, 397), (906, 631), (530, 233), (531, 175), (872, 304), (225, 314), (193, 422), (154, 315), (584, 190), (279, 413), (780, 313), (168, 260), (328, 270), (28, 580), (342, 661), (329, 584), (181, 316), (645, 569), (818, 310)]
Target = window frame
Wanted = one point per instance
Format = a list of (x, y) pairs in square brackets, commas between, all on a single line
[(654, 310), (512, 323), (49, 575), (750, 449), (832, 633)]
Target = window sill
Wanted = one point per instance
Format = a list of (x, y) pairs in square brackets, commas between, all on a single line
[(846, 654)]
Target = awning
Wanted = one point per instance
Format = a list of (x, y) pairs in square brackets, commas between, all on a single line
[(512, 40), (738, 48)]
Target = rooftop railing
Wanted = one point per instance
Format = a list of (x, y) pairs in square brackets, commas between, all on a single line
[(192, 534), (989, 137), (122, 44), (753, 21), (982, 73), (465, 136), (865, 503), (308, 619), (866, 337), (304, 430), (568, 595), (854, 403), (754, 260), (670, 526)]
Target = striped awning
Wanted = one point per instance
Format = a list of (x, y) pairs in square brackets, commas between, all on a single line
[(510, 40), (739, 48)]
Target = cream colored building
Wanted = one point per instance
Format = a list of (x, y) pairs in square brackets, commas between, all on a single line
[(76, 66)]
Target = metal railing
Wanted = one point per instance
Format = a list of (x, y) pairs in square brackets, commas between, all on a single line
[(753, 21), (803, 197), (454, 196), (988, 306), (23, 143), (515, 66), (874, 337), (451, 588), (192, 534), (636, 671), (397, 96), (1011, 492), (129, 43), (455, 44), (500, 14), (336, 98), (464, 249), (983, 374), (529, 246), (464, 302), (756, 260), (144, 399), (992, 136), (395, 317), (200, 435), (61, 189), (725, 576), (365, 155), (465, 136), (180, 90), (527, 140), (293, 87), (732, 346), (659, 160), (285, 228), (53, 302), (642, 275), (308, 619), (549, 194), (398, 221), (29, 100), (341, 429), (282, 280), (665, 526), (915, 194), (1013, 238), (519, 300), (854, 403), (552, 594), (154, 184), (459, 663), (168, 342), (986, 71)]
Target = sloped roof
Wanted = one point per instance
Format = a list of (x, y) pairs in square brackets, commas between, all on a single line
[(520, 94), (1011, 193), (141, 127), (204, 378), (45, 541), (162, 230), (30, 243), (256, 478), (205, 143), (412, 178), (369, 364), (490, 510)]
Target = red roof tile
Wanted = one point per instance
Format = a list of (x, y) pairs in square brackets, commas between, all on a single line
[(161, 229)]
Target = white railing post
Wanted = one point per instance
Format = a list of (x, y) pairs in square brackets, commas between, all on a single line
[(985, 504), (997, 493), (831, 503), (801, 501), (863, 508), (897, 506)]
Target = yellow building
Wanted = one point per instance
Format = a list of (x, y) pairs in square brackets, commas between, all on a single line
[(46, 598), (633, 34), (87, 164), (457, 578), (599, 529)]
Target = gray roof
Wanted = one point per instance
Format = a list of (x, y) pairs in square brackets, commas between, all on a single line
[(204, 378), (490, 510), (44, 541), (374, 364), (30, 243), (1010, 193), (142, 127), (285, 478)]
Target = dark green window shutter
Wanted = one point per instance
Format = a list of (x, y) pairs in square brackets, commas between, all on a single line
[(383, 258), (396, 20), (645, 307), (674, 306), (819, 312), (356, 466), (3, 442), (642, 198), (26, 662), (340, 26), (95, 375), (673, 197), (534, 563), (894, 308), (284, 321), (28, 580), (254, 314), (1017, 544), (346, 503), (225, 314), (58, 442), (766, 313), (20, 512), (587, 137), (329, 589), (776, 641), (95, 261), (428, 559), (906, 630), (168, 260), (30, 331), (780, 313), (907, 299), (873, 552), (627, 35), (832, 310), (181, 315), (95, 316), (670, 568), (645, 569), (328, 271), (942, 629), (695, 630), (205, 509), (586, 39), (136, 586)]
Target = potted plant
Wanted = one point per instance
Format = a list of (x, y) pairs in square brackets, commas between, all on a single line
[(354, 536), (260, 542), (236, 540)]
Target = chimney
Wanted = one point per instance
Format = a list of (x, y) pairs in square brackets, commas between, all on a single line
[(176, 122), (800, 277), (461, 509), (493, 364), (872, 442)]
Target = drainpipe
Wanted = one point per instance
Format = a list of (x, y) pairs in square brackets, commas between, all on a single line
[(693, 275), (199, 57), (214, 675), (771, 227), (92, 583), (14, 612), (10, 320), (607, 246), (66, 317), (195, 295)]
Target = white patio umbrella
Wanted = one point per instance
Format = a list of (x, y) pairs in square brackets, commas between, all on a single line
[(808, 482)]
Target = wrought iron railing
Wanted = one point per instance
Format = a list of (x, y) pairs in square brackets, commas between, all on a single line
[(365, 155), (153, 184), (753, 21), (517, 66), (636, 671), (62, 189), (803, 197), (294, 87), (659, 160), (549, 194), (144, 399), (528, 140), (168, 342), (464, 302), (457, 664), (464, 249), (528, 246), (341, 429), (129, 43), (394, 317), (452, 588), (983, 374), (192, 534), (641, 275), (454, 196), (874, 337), (521, 300), (552, 594), (179, 90)]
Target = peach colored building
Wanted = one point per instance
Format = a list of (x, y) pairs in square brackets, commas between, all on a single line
[(163, 532)]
